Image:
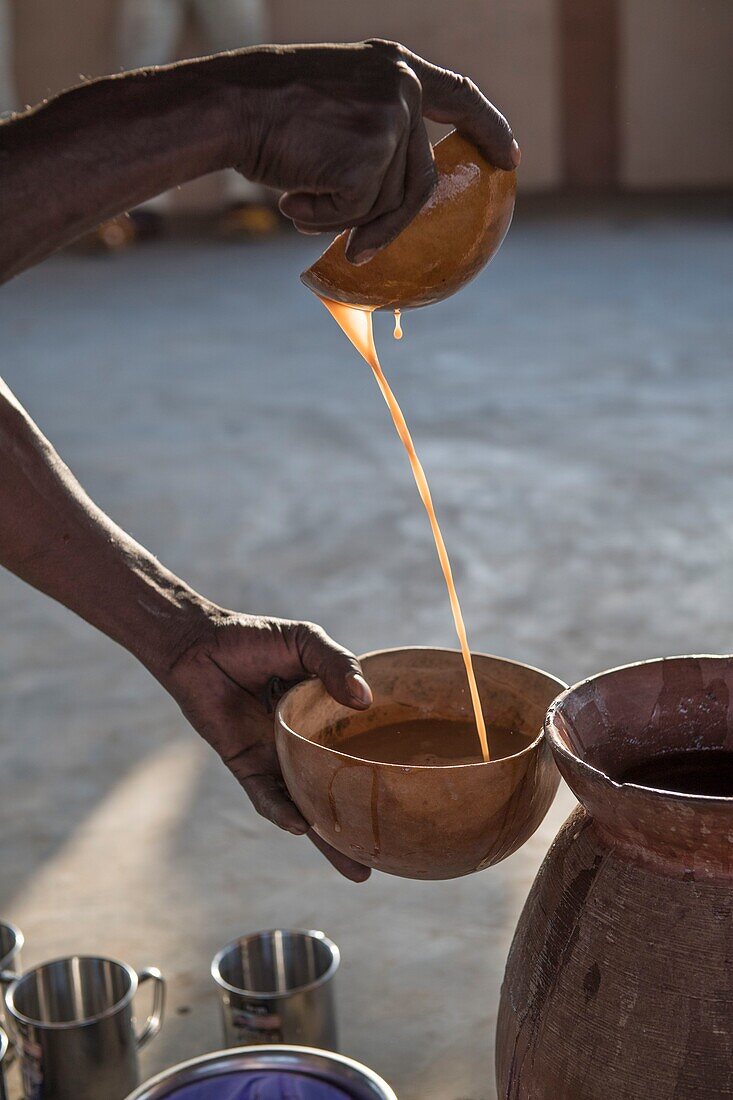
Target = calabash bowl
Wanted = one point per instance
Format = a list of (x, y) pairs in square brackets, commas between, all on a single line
[(416, 821), (457, 232)]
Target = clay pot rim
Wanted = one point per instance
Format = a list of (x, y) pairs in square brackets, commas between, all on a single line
[(560, 749), (533, 746)]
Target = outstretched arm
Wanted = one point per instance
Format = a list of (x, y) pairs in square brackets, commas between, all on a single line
[(216, 664), (338, 128)]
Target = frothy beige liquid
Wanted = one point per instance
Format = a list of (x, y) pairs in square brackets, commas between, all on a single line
[(358, 327), (429, 742)]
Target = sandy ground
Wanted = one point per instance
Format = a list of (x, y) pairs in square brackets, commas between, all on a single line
[(573, 410)]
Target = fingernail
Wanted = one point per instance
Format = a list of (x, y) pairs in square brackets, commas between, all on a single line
[(516, 154), (360, 876), (359, 690), (365, 256)]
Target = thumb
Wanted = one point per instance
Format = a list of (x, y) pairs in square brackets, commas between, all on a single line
[(336, 668)]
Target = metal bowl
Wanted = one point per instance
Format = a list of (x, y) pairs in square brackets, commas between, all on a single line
[(354, 1079)]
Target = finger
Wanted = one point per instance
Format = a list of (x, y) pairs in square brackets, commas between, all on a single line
[(391, 194), (308, 230), (450, 97), (311, 229), (335, 667), (392, 188), (420, 181), (349, 868), (331, 211), (270, 798)]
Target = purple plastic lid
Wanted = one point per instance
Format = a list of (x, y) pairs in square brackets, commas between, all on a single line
[(261, 1086)]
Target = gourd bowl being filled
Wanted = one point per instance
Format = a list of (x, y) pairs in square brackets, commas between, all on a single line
[(402, 787)]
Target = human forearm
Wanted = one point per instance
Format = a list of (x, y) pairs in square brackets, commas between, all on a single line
[(338, 128), (100, 149), (218, 665), (55, 538)]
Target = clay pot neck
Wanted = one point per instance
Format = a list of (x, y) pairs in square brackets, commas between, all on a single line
[(605, 726)]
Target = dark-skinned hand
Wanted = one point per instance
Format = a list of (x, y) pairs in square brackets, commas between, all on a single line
[(222, 682), (340, 129)]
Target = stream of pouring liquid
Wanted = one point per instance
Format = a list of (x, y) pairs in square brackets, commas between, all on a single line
[(357, 326)]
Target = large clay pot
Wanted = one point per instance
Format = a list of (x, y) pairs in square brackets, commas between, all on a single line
[(421, 822), (619, 982)]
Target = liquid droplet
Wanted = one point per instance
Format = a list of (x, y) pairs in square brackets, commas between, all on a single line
[(397, 324)]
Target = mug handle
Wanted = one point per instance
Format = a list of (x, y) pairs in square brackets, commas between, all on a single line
[(7, 977), (5, 1049), (155, 1019)]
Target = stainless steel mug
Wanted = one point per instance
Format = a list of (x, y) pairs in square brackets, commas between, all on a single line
[(73, 1025), (277, 987), (11, 945), (4, 1046)]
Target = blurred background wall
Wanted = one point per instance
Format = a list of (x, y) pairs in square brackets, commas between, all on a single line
[(629, 94)]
